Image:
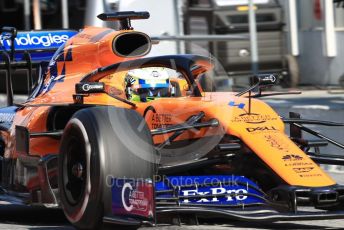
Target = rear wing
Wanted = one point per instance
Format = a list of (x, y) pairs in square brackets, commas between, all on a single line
[(40, 44), (25, 50)]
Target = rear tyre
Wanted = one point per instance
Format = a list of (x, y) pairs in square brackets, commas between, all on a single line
[(93, 147), (293, 77)]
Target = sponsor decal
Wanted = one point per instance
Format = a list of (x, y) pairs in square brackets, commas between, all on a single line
[(47, 41), (158, 120), (134, 200), (292, 157), (161, 120), (303, 170), (88, 87), (93, 87), (277, 143), (261, 129), (298, 164), (233, 194), (270, 78), (130, 197), (253, 118), (240, 105), (210, 190), (294, 160), (311, 175), (37, 40), (162, 117)]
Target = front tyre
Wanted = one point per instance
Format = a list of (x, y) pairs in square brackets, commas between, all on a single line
[(94, 147)]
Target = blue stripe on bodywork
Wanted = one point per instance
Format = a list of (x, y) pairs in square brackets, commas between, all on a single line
[(59, 56)]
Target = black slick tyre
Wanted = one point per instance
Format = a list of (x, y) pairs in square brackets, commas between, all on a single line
[(97, 144)]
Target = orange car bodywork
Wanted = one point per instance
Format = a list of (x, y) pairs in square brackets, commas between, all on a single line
[(262, 130)]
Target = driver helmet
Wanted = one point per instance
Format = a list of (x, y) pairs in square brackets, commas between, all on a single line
[(146, 84)]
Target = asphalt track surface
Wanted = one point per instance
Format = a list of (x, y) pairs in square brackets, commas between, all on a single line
[(12, 218), (329, 107)]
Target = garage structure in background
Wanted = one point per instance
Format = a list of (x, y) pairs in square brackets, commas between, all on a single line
[(310, 45)]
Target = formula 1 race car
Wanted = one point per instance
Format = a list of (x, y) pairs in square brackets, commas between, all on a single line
[(113, 137)]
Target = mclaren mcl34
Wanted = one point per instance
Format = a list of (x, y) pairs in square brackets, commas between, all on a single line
[(111, 136)]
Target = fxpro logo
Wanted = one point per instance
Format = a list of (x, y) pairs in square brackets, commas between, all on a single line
[(35, 39), (238, 194)]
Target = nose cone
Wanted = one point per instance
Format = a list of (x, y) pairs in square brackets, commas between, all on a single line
[(262, 131), (238, 116)]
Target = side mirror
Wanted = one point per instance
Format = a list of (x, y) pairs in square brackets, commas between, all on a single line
[(260, 81), (265, 79)]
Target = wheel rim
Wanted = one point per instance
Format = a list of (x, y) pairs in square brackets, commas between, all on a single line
[(74, 174)]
